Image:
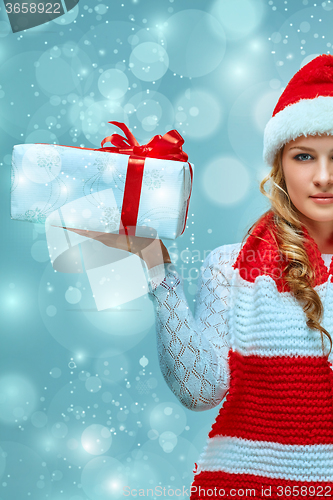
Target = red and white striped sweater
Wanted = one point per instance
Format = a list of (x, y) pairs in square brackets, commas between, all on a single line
[(273, 436)]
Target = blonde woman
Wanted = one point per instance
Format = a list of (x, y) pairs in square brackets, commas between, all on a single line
[(260, 336)]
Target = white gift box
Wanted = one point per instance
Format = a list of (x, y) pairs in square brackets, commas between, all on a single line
[(84, 188)]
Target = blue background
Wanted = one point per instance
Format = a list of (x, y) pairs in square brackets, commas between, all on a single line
[(84, 409)]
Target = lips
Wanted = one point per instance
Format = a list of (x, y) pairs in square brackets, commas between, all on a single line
[(327, 195)]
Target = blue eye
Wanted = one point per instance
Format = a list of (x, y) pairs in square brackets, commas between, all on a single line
[(297, 157)]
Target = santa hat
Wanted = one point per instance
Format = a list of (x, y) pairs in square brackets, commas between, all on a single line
[(305, 107)]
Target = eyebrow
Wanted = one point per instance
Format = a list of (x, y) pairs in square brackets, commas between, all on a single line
[(305, 148)]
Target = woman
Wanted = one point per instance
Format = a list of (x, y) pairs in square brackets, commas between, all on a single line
[(260, 335)]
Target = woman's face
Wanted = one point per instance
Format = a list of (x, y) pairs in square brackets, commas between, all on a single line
[(307, 164)]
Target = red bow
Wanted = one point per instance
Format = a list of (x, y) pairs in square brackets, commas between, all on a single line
[(166, 147)]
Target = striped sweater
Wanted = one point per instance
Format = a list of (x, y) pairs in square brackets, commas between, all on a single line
[(248, 344)]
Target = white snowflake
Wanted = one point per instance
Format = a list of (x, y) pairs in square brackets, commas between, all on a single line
[(111, 218), (36, 216), (104, 163), (153, 179), (48, 159)]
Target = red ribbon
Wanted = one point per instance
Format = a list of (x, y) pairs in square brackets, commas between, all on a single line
[(166, 147)]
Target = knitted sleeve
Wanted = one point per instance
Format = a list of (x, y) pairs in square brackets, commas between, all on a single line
[(193, 350)]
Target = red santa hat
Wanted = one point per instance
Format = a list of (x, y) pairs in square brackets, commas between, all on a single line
[(305, 107)]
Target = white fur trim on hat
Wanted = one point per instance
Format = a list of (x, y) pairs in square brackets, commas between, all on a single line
[(305, 117)]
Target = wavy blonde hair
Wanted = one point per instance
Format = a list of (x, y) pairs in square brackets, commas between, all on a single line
[(299, 270)]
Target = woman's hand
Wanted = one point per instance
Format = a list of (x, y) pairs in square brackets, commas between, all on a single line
[(151, 250)]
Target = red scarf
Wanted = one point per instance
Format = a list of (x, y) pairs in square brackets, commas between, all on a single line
[(258, 257)]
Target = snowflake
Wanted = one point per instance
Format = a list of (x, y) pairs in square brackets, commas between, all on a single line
[(48, 159), (111, 218), (35, 216), (104, 163), (153, 179)]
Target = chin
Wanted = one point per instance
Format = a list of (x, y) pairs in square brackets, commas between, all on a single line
[(321, 218)]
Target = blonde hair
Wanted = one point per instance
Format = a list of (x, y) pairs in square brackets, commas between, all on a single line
[(290, 241)]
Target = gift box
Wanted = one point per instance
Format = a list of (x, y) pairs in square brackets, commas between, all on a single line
[(125, 188)]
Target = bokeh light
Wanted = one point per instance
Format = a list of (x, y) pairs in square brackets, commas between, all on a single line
[(18, 398), (225, 181), (104, 478), (149, 61), (264, 108), (113, 83), (25, 471), (112, 365), (68, 18), (168, 417), (246, 121), (63, 79), (38, 419), (239, 18), (198, 114), (196, 42), (149, 112), (90, 331), (96, 439)]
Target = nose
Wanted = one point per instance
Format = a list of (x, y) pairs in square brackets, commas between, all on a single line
[(323, 171)]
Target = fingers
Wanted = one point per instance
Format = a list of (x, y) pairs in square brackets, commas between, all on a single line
[(129, 243)]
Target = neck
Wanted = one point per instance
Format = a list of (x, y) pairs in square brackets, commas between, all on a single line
[(321, 232)]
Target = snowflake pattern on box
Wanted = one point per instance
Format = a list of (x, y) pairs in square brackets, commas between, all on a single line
[(153, 179), (107, 172), (111, 218), (49, 160), (106, 165), (37, 216)]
